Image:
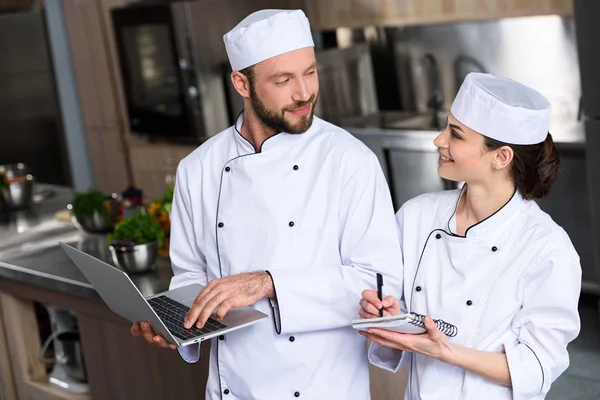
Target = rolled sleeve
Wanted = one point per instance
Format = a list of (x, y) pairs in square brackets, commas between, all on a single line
[(388, 359), (547, 323), (190, 354)]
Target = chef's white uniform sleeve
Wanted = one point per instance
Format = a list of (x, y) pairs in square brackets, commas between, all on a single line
[(392, 360), (547, 322), (187, 260), (327, 297), (383, 357)]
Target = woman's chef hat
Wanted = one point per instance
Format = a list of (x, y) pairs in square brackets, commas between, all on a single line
[(502, 109), (265, 34)]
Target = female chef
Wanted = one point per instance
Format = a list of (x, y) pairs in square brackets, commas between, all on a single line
[(485, 258)]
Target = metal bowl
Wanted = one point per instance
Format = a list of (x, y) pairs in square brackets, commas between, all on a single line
[(98, 223), (135, 259), (17, 191)]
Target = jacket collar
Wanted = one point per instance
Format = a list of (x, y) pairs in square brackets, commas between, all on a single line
[(274, 142), (505, 214)]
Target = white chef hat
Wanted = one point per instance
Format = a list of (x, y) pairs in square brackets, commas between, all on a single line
[(502, 109), (265, 34)]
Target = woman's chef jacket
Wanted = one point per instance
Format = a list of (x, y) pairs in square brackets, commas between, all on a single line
[(510, 285)]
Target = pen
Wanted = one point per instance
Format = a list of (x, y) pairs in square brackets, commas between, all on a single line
[(379, 295)]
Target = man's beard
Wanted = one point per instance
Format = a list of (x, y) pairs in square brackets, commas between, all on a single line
[(277, 121)]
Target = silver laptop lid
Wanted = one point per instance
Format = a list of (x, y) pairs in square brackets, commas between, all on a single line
[(117, 290)]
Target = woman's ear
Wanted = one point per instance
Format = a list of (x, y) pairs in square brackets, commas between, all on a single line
[(241, 84), (504, 156)]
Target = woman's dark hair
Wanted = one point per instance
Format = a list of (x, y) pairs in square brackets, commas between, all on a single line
[(534, 168)]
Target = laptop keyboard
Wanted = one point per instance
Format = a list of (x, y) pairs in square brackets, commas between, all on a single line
[(173, 314)]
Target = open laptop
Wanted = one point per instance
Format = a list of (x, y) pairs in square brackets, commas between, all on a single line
[(164, 311)]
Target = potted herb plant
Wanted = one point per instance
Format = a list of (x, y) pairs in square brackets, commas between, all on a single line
[(94, 211), (134, 243)]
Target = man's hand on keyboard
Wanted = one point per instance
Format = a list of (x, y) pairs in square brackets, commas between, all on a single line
[(227, 293), (144, 329)]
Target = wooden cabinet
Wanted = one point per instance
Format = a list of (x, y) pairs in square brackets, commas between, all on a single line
[(118, 365), (98, 92), (155, 164), (360, 13)]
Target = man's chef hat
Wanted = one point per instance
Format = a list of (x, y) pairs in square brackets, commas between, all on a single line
[(265, 34), (502, 109)]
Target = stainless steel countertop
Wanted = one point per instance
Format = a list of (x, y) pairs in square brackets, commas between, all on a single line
[(30, 250)]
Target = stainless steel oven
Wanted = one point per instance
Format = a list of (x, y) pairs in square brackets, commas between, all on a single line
[(165, 89)]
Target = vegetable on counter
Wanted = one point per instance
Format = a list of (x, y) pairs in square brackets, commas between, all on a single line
[(140, 228), (160, 208)]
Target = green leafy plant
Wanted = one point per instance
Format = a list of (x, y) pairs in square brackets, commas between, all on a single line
[(85, 204), (139, 228)]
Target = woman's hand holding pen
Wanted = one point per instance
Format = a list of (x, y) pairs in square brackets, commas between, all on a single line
[(433, 343), (370, 305)]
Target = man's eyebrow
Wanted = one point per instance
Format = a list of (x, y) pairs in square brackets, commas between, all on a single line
[(312, 66), (289, 74)]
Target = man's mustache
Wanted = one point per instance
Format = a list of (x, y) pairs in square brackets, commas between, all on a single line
[(300, 105)]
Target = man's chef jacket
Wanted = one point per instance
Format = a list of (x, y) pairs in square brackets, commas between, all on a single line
[(312, 209)]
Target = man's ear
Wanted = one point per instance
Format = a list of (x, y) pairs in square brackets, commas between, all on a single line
[(241, 84)]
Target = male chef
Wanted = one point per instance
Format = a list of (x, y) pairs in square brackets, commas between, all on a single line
[(288, 214)]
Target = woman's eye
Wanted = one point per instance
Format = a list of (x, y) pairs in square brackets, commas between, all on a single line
[(455, 135)]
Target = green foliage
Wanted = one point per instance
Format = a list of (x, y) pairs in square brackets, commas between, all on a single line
[(139, 228), (85, 204), (165, 202)]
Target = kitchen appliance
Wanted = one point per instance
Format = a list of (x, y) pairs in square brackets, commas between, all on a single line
[(171, 90), (69, 371), (587, 14)]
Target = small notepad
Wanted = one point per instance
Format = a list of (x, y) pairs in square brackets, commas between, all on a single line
[(412, 323)]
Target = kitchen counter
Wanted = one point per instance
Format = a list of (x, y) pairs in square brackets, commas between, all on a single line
[(35, 271), (46, 264), (30, 250)]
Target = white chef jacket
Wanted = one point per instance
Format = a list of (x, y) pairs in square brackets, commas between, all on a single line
[(511, 285), (315, 211)]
